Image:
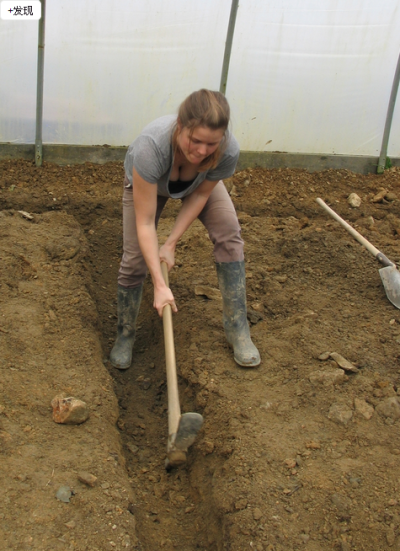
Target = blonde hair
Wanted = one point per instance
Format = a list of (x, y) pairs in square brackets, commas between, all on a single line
[(204, 108)]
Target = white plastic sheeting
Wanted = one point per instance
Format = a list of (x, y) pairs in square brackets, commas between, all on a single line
[(310, 76), (320, 75)]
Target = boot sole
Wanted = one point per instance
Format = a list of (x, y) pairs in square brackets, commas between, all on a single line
[(247, 365), (121, 367)]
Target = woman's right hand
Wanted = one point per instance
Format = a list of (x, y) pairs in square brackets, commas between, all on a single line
[(162, 297)]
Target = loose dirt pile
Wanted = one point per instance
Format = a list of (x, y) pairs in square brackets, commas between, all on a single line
[(296, 454)]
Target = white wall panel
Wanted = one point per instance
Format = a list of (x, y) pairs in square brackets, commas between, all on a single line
[(314, 76), (18, 67), (112, 66), (310, 76)]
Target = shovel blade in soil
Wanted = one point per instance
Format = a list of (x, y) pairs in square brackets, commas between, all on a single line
[(390, 277), (189, 426)]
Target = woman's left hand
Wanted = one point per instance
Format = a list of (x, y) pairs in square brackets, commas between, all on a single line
[(167, 255)]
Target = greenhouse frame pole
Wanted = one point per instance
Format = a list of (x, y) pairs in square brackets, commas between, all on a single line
[(228, 46), (389, 118), (39, 88)]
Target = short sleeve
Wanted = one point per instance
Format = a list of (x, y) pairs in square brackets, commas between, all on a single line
[(145, 156)]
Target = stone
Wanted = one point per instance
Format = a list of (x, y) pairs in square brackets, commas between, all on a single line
[(340, 413), (208, 447), (313, 445), (328, 377), (240, 504), (71, 524), (257, 513), (363, 409), (132, 447), (354, 200), (378, 198), (69, 411), (343, 363), (209, 292), (64, 494), (389, 408), (87, 478)]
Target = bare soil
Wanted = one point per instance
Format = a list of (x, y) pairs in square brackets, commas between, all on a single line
[(296, 454)]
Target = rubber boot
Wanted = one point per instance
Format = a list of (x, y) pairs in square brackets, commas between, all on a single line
[(128, 303), (232, 283)]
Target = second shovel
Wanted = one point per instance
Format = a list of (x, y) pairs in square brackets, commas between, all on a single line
[(390, 275)]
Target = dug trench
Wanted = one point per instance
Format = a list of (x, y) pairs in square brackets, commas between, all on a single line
[(296, 454)]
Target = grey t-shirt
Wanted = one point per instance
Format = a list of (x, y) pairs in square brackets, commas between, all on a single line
[(151, 155)]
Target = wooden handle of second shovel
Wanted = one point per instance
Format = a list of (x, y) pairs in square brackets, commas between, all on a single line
[(174, 410), (369, 246)]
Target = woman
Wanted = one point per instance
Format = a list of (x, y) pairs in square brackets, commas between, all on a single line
[(182, 157)]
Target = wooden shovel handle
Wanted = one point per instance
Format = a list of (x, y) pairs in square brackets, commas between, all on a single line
[(373, 250), (174, 410)]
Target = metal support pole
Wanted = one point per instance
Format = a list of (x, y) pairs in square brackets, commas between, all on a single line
[(39, 89), (388, 123), (228, 46)]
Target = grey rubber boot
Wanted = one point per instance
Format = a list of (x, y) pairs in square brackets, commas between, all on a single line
[(128, 303), (232, 283)]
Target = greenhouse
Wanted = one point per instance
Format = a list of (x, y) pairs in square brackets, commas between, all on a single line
[(199, 318)]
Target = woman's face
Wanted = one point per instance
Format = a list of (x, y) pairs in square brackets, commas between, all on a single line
[(202, 143)]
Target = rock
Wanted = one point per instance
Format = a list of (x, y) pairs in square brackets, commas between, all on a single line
[(233, 191), (87, 478), (25, 214), (146, 383), (390, 196), (253, 316), (132, 447), (343, 363), (290, 463), (240, 504), (313, 445), (64, 494), (207, 447), (209, 292), (324, 356), (370, 222), (69, 411), (257, 513), (328, 377), (378, 198), (340, 413), (228, 184), (354, 200), (364, 409), (389, 408), (71, 524)]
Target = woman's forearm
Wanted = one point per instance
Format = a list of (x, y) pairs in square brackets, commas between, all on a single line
[(148, 242)]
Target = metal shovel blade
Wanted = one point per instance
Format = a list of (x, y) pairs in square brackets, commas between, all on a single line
[(189, 426), (390, 277)]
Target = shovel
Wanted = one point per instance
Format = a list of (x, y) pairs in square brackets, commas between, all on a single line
[(182, 429), (390, 275)]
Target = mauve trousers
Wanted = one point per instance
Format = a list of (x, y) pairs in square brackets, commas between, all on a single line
[(218, 216)]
